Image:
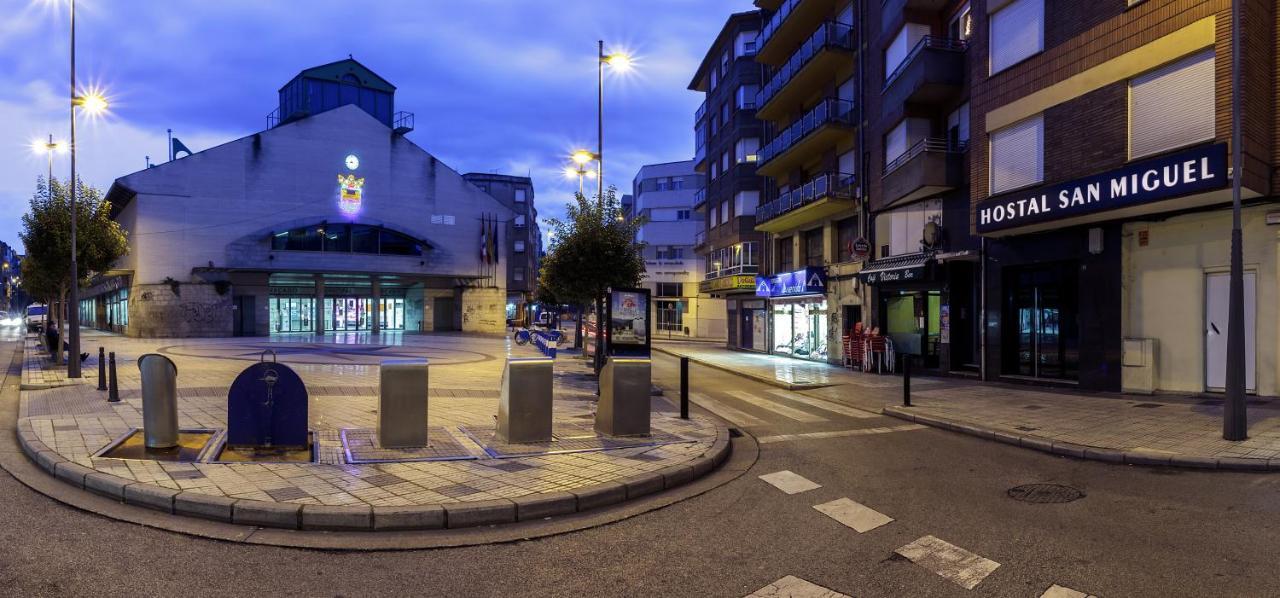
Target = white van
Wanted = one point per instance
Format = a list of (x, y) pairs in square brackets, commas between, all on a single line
[(35, 317)]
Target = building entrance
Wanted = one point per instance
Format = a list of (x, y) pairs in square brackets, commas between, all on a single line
[(1040, 323), (344, 314)]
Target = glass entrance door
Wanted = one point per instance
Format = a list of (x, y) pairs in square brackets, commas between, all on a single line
[(356, 313), (292, 314), (1043, 340)]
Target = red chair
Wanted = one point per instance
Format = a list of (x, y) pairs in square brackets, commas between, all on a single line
[(878, 347)]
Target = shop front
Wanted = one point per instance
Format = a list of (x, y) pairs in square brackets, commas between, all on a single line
[(796, 317), (745, 314)]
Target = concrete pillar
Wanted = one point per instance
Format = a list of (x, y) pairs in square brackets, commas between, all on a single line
[(376, 325), (321, 316)]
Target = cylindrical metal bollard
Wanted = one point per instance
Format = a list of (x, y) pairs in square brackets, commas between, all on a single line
[(102, 371), (684, 388), (159, 400), (906, 380), (113, 389)]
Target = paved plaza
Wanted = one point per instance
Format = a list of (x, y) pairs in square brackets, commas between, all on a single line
[(463, 478)]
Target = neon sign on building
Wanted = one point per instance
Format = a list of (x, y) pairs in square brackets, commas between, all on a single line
[(350, 191)]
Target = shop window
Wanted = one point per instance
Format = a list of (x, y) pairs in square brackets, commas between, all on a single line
[(1172, 106), (1017, 33), (786, 254), (846, 234), (1017, 155), (813, 254)]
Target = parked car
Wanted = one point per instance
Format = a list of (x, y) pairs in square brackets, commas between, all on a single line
[(35, 317)]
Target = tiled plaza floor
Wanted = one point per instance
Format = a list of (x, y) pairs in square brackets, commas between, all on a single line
[(341, 374)]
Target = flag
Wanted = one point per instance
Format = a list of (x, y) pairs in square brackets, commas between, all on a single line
[(493, 241), (178, 147), (484, 241)]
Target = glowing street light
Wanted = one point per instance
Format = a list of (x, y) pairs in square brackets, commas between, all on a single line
[(582, 157), (92, 103)]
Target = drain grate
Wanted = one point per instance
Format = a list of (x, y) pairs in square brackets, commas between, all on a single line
[(1045, 493), (1149, 405)]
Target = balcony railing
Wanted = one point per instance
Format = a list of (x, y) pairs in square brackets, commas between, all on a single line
[(403, 122), (827, 111), (778, 18), (700, 238), (829, 34), (699, 197), (839, 185), (742, 258), (930, 144), (930, 42), (700, 112)]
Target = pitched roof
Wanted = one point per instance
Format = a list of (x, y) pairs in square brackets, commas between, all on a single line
[(335, 70)]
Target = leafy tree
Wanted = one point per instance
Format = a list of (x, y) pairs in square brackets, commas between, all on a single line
[(46, 235), (592, 249)]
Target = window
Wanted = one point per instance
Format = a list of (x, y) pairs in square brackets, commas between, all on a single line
[(786, 254), (519, 246), (662, 184), (711, 222), (724, 114), (714, 78), (517, 273), (346, 238), (668, 289), (747, 96), (1017, 155), (715, 169), (724, 62), (1172, 106), (903, 227), (746, 43), (813, 247), (520, 195), (958, 126), (724, 211), (902, 137), (724, 162), (848, 164), (747, 149), (846, 234), (669, 253), (901, 46), (683, 214), (1017, 32), (519, 221), (677, 184), (744, 202), (712, 123), (961, 26)]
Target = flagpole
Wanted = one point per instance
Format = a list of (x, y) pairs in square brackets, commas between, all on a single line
[(170, 144)]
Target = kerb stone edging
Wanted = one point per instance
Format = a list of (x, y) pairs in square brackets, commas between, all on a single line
[(1109, 455), (365, 518)]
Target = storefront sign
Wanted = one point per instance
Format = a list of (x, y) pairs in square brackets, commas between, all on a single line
[(861, 248), (737, 282), (809, 281), (913, 274), (1195, 170)]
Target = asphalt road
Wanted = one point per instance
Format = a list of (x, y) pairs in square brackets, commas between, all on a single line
[(1137, 532)]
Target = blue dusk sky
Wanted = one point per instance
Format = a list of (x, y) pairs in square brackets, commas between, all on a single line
[(503, 86)]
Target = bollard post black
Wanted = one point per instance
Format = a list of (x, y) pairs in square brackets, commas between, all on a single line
[(906, 380), (684, 388), (113, 394), (102, 371)]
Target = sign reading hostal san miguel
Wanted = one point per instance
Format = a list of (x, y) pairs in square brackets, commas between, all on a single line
[(1195, 170)]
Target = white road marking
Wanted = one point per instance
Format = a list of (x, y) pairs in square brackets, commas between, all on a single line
[(838, 433), (794, 587), (857, 516), (733, 415), (1057, 591), (774, 406), (962, 567), (821, 404), (789, 482)]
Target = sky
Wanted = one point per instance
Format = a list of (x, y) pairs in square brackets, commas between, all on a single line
[(504, 86)]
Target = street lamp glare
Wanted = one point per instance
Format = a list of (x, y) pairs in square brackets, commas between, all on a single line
[(620, 61), (570, 172), (582, 157), (92, 103), (591, 174)]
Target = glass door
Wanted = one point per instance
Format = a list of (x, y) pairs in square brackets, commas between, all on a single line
[(1044, 340)]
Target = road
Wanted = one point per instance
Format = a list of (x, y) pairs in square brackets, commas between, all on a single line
[(1136, 532)]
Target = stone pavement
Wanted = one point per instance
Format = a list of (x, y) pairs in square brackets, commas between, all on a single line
[(1134, 429), (480, 482)]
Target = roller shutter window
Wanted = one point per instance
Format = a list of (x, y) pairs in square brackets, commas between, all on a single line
[(1017, 32), (1017, 155), (1172, 106)]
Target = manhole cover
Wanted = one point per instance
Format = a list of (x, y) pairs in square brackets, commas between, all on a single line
[(1045, 493)]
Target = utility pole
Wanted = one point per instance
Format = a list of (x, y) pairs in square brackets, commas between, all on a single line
[(1235, 424)]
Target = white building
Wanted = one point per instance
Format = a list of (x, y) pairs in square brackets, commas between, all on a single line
[(329, 220), (664, 197)]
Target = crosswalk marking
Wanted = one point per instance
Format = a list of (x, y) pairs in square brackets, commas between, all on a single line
[(794, 587), (774, 406), (854, 515), (821, 404), (1057, 591), (956, 564), (838, 433), (789, 482), (733, 415)]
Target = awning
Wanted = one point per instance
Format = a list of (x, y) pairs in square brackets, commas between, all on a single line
[(902, 268)]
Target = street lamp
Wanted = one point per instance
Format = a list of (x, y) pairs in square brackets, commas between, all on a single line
[(621, 62), (1235, 423), (49, 148)]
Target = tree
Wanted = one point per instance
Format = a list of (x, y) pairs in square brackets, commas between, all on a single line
[(46, 235), (592, 249)]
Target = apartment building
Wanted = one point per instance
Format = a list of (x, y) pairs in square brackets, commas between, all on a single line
[(520, 240), (811, 208), (727, 144), (663, 195)]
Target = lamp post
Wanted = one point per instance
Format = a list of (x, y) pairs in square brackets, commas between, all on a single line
[(1235, 425), (620, 61)]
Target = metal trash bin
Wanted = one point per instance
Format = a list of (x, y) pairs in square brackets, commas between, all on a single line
[(159, 400), (403, 403), (624, 397), (524, 407)]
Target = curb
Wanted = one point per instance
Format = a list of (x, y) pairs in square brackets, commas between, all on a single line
[(296, 516), (758, 378), (1090, 453)]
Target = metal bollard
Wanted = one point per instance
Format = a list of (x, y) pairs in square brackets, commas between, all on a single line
[(906, 380), (159, 400), (403, 403), (525, 402), (624, 404), (113, 390), (102, 372), (684, 388)]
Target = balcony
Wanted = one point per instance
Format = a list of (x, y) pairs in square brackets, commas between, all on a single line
[(699, 198), (891, 11), (819, 59), (932, 73), (929, 167), (789, 25), (699, 240), (824, 195), (818, 128)]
